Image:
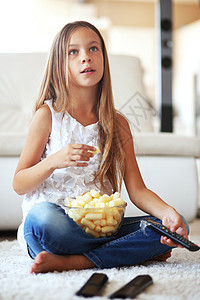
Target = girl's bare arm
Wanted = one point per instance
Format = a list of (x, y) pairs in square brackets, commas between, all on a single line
[(142, 197), (139, 194), (31, 171)]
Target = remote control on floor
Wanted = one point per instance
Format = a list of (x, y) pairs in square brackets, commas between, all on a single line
[(93, 286), (175, 237), (133, 288)]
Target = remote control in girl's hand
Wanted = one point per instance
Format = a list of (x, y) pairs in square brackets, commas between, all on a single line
[(175, 237)]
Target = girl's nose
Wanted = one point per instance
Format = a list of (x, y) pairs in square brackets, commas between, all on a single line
[(84, 60)]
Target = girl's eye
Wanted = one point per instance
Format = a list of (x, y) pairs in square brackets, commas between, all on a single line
[(94, 48), (72, 52)]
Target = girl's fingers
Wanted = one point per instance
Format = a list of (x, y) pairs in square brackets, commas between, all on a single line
[(167, 241), (74, 163), (75, 155), (82, 152), (79, 164), (82, 157), (84, 147)]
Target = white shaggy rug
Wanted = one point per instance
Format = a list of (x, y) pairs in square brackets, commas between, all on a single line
[(176, 279)]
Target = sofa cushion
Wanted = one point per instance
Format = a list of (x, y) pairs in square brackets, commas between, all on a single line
[(20, 78), (129, 92), (166, 144), (146, 144), (12, 143)]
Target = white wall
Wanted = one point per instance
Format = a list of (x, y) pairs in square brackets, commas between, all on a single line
[(31, 25), (138, 42), (141, 42), (186, 65)]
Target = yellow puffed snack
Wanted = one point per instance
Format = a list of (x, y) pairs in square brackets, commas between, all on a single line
[(116, 195), (110, 220), (101, 234), (88, 223), (104, 199), (93, 216), (67, 201), (77, 203), (75, 214), (87, 197), (98, 228), (92, 232), (116, 202), (107, 229), (103, 222), (116, 215), (102, 205), (94, 194), (96, 151), (99, 215)]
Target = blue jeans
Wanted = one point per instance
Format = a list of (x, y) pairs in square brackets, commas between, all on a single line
[(48, 228)]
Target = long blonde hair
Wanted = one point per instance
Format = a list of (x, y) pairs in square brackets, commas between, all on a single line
[(55, 87)]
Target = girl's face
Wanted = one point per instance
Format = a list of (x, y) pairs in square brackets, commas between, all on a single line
[(85, 59)]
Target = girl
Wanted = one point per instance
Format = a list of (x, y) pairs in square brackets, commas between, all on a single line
[(74, 113)]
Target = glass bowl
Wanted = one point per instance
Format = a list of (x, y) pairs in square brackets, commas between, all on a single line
[(98, 222)]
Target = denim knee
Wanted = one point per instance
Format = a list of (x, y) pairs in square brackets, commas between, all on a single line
[(41, 215), (45, 226)]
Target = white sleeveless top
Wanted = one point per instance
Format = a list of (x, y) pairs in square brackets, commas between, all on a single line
[(71, 181)]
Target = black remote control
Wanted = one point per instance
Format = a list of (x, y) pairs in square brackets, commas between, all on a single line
[(93, 286), (175, 237), (133, 288)]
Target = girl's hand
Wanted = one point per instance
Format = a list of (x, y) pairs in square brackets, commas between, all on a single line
[(175, 223), (76, 155)]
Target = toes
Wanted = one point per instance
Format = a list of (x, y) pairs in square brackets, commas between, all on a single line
[(39, 263), (35, 269)]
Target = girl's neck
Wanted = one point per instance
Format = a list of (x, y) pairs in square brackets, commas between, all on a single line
[(83, 106)]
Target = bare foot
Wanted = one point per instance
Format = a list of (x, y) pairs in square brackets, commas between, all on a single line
[(47, 262), (162, 257)]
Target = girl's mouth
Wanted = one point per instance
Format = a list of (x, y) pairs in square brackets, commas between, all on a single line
[(88, 70)]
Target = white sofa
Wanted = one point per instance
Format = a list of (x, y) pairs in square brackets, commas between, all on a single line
[(167, 161)]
